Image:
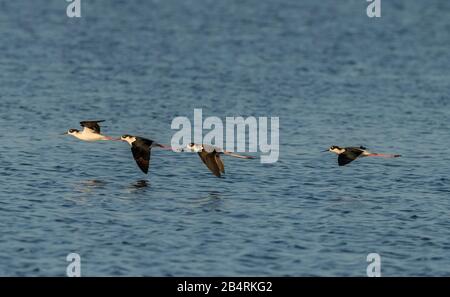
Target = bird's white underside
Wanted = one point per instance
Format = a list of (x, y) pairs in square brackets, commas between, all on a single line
[(88, 135)]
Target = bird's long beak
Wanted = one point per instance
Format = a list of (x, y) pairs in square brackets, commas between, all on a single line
[(65, 133), (325, 151)]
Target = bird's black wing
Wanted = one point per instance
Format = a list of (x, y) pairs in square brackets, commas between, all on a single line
[(210, 161), (141, 150), (93, 125), (220, 163), (350, 154), (343, 159)]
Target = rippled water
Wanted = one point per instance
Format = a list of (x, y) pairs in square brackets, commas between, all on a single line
[(330, 73)]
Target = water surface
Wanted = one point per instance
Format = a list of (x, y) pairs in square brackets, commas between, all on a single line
[(332, 75)]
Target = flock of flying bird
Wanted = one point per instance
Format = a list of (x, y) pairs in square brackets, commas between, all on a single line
[(141, 149)]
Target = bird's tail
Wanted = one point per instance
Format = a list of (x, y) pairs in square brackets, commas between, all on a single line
[(384, 155)]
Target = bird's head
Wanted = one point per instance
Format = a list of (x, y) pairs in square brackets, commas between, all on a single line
[(194, 148), (72, 132), (128, 138), (335, 149)]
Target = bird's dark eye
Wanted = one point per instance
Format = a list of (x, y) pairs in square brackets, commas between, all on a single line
[(191, 144)]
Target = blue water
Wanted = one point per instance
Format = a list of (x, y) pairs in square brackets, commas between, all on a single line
[(332, 75)]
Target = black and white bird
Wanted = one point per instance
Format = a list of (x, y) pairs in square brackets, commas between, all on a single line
[(91, 132), (348, 154), (141, 149), (210, 156)]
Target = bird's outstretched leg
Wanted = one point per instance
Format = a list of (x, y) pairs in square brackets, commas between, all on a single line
[(384, 155), (165, 147), (112, 138), (238, 156)]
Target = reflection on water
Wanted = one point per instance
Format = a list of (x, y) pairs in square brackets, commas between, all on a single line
[(141, 184), (85, 189), (138, 186), (212, 201), (87, 186)]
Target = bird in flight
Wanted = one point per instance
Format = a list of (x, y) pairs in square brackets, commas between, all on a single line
[(210, 156), (347, 155), (141, 149), (91, 132)]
